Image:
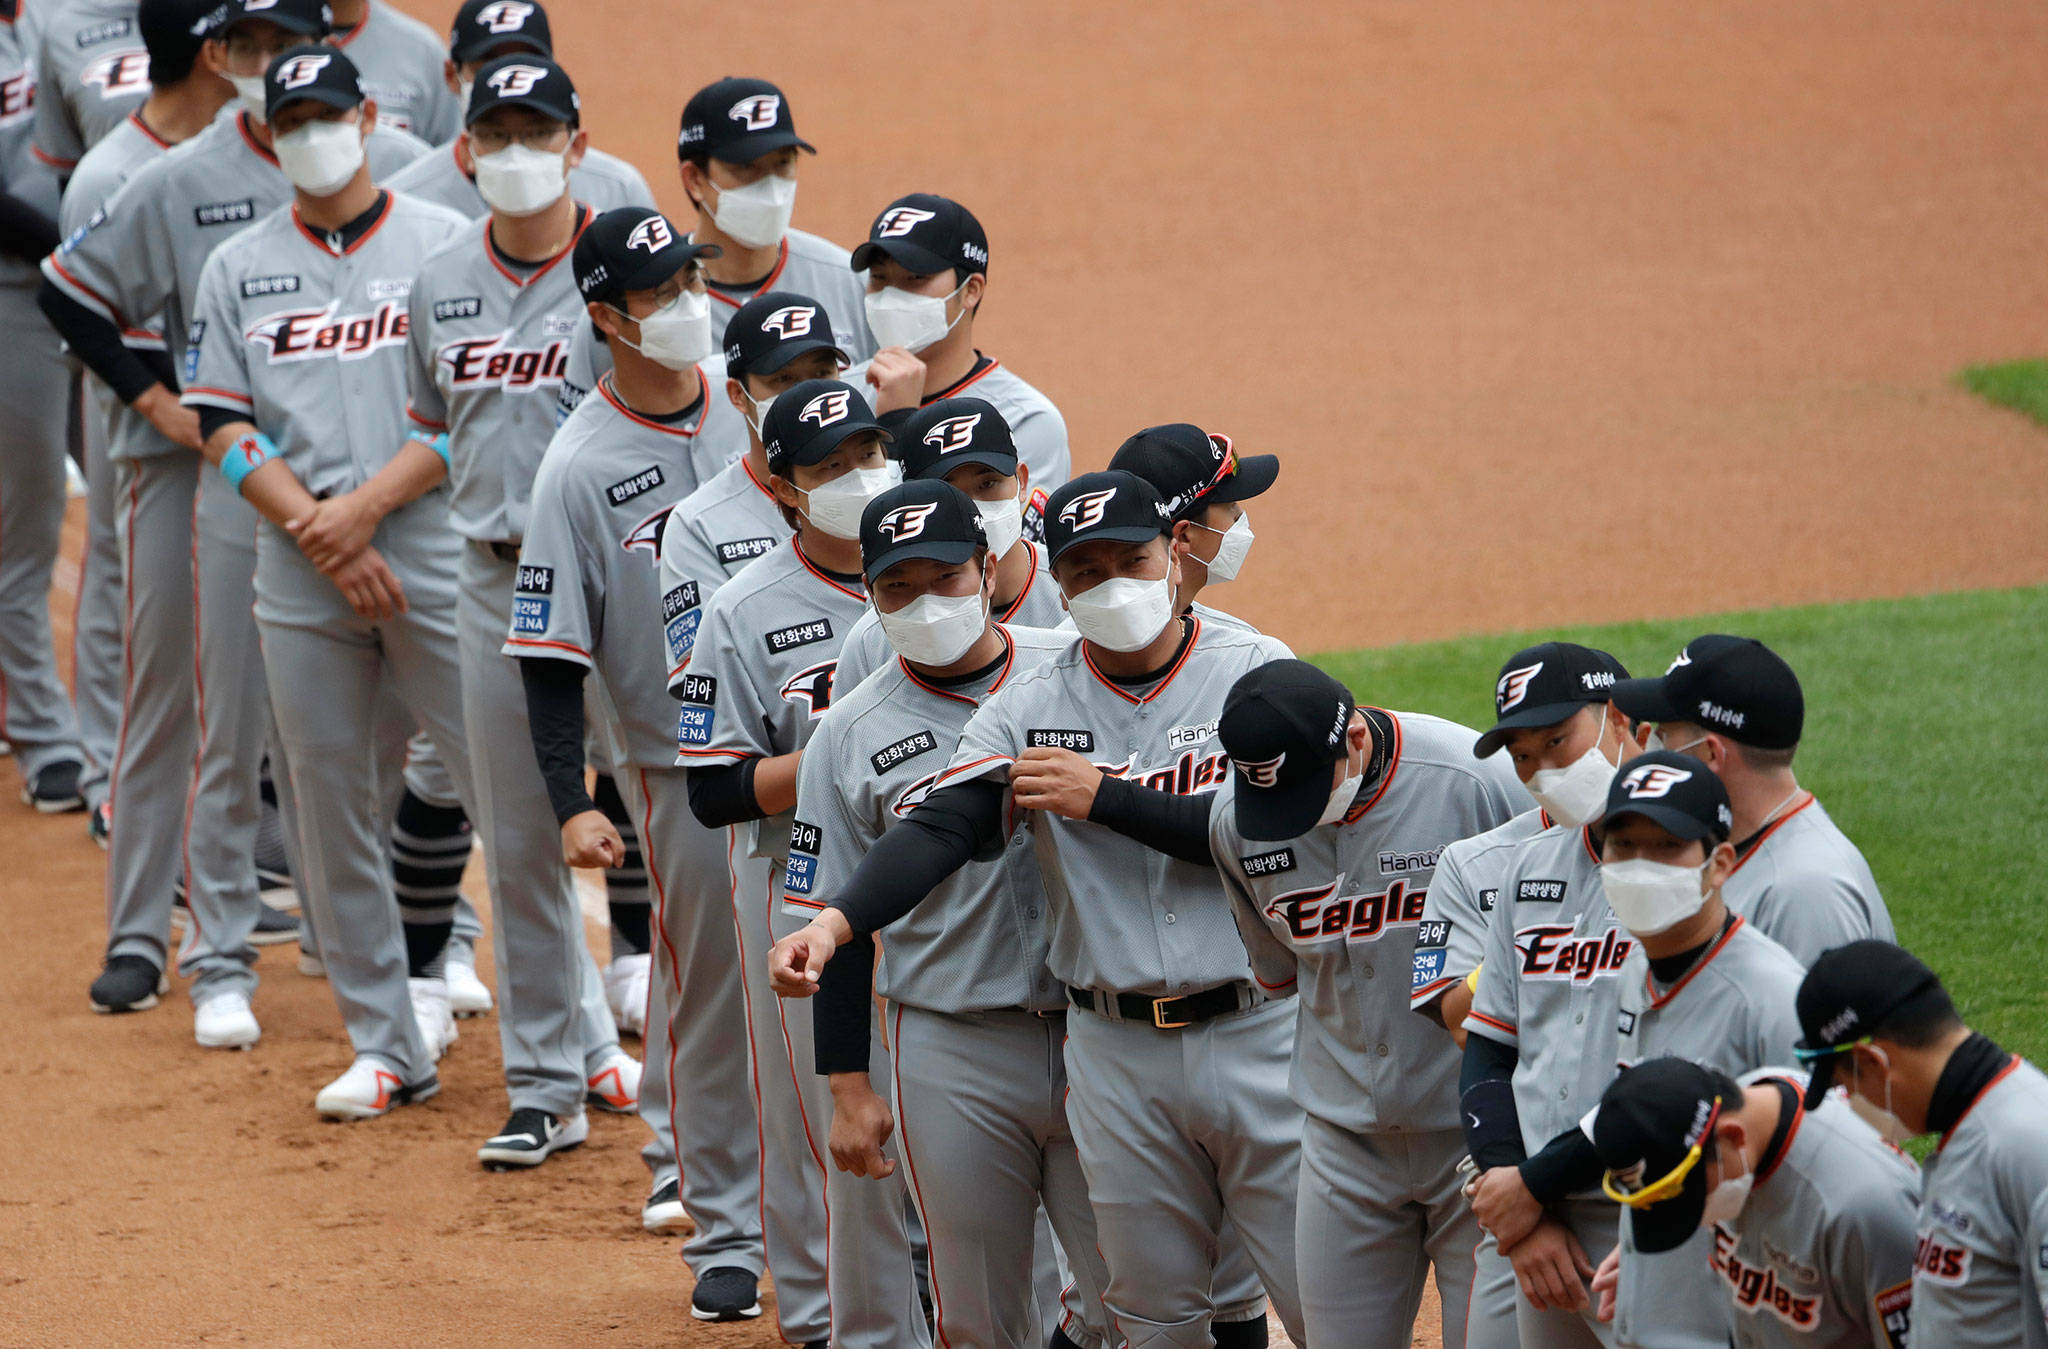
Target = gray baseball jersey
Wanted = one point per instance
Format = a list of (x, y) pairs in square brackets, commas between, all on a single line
[(1106, 890), (602, 181), (141, 256), (1343, 904), (1548, 986), (808, 265), (1038, 605), (22, 172), (978, 941), (1805, 885), (280, 306), (707, 540), (1821, 1257), (589, 587), (91, 72), (1450, 941), (402, 60), (1980, 1270)]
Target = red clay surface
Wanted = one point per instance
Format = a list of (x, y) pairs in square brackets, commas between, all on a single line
[(1555, 313)]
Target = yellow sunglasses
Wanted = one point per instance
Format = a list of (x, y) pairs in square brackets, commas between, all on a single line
[(1657, 1191)]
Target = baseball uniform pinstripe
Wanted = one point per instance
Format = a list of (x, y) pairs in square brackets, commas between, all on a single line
[(867, 647), (91, 71), (401, 62), (1806, 886), (602, 181)]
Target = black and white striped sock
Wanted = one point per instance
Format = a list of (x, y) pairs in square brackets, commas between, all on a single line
[(429, 851)]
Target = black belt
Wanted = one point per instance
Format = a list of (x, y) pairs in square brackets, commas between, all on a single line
[(504, 552), (1169, 1013)]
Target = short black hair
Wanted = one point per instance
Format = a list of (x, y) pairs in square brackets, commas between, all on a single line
[(1925, 1019)]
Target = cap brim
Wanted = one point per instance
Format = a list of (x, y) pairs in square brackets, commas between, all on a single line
[(566, 116), (1114, 533), (949, 551), (1287, 810), (1820, 1075), (291, 23), (921, 261), (1668, 1225), (1005, 464), (1680, 824), (1550, 714), (488, 46), (746, 149), (333, 98), (823, 448), (658, 269), (1255, 474), (784, 352), (1645, 699)]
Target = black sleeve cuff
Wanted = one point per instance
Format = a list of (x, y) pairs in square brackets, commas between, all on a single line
[(97, 343), (554, 722), (724, 796), (949, 829), (1486, 1099), (840, 1020), (1164, 822), (1566, 1166)]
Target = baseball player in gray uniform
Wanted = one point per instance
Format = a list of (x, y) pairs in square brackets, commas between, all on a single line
[(490, 317), (1734, 704), (1176, 1063), (300, 324), (142, 258), (966, 442), (760, 676), (92, 70), (1808, 1211), (484, 31), (925, 271), (401, 61), (1878, 1019), (587, 597), (36, 706), (739, 154), (974, 1018)]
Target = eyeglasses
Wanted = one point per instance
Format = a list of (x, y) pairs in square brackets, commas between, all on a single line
[(1809, 1055), (1657, 1191), (490, 139)]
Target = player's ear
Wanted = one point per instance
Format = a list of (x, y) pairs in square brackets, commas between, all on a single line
[(971, 293), (465, 157), (451, 75), (366, 116), (1023, 481), (579, 145), (215, 52), (1358, 733), (603, 318), (691, 176), (736, 394), (1720, 865), (785, 491)]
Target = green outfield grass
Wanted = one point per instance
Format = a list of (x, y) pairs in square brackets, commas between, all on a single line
[(2019, 385), (1926, 738)]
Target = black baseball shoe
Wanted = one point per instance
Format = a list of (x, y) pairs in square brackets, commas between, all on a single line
[(53, 788), (99, 826), (273, 926), (128, 984), (530, 1137), (727, 1293)]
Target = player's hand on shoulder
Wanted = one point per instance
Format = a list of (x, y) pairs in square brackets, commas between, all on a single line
[(861, 1124), (367, 582), (1503, 1205), (173, 420), (898, 380), (591, 841), (1057, 781), (335, 530), (1607, 1284), (1552, 1268)]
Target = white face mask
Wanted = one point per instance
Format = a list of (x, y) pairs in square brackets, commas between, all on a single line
[(1577, 793), (1725, 1201), (467, 88), (249, 89), (320, 157), (760, 407), (1123, 613), (1657, 742), (836, 506), (936, 629), (677, 335), (1230, 554), (913, 322), (1002, 524), (1651, 897), (518, 180), (756, 215), (1341, 800)]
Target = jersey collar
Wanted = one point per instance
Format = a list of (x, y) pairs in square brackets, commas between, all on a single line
[(1002, 675), (1194, 640), (256, 147), (798, 549), (696, 424), (2011, 1066), (972, 377), (1030, 580), (767, 283), (1386, 778), (158, 141), (584, 215), (1756, 842), (383, 210), (1657, 1002)]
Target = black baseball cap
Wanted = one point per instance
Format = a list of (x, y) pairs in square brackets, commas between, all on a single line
[(948, 432), (1734, 686), (1676, 791), (172, 32), (1649, 1122), (1847, 996), (927, 518), (771, 330), (310, 71), (1542, 685), (631, 248), (1194, 469), (808, 421), (483, 26), (522, 81), (927, 234), (738, 120), (1283, 726), (309, 18), (1107, 505)]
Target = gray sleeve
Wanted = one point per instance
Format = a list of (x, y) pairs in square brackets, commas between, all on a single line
[(830, 834), (690, 575), (58, 141), (124, 267), (1041, 438), (1272, 961), (580, 375), (1869, 1249), (552, 606), (1450, 940), (723, 720), (216, 361), (425, 404), (1496, 1009)]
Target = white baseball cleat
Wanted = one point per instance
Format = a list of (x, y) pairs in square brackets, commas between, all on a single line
[(369, 1089), (467, 995), (224, 1021), (625, 988), (615, 1086), (436, 1020)]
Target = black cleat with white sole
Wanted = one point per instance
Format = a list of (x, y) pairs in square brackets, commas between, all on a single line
[(530, 1137), (727, 1293), (128, 984)]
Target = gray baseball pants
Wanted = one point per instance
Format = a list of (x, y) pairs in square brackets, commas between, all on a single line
[(96, 630)]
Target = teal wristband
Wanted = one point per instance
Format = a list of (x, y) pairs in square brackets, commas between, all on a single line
[(438, 443), (244, 457)]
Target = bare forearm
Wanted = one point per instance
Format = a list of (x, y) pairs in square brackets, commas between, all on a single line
[(413, 472)]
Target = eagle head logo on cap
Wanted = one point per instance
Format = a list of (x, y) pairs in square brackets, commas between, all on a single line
[(1514, 686), (301, 71), (505, 16), (828, 407), (757, 112), (906, 522), (1261, 772), (1085, 511), (1682, 658), (898, 221), (516, 81), (1653, 780), (790, 321), (954, 433), (651, 234)]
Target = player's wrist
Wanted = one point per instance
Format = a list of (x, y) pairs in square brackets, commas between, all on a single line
[(833, 925), (850, 1084)]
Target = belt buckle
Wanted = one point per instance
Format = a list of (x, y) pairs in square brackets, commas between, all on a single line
[(1159, 1015)]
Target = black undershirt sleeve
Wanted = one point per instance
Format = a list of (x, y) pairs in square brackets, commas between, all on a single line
[(1486, 1097), (212, 419), (723, 796), (1566, 1165), (839, 1009), (97, 342), (952, 827), (554, 722), (25, 231), (1164, 822)]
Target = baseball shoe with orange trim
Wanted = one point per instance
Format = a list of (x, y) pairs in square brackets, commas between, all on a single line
[(615, 1086), (369, 1089)]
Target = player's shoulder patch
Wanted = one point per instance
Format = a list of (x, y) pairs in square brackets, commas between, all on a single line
[(530, 615), (1080, 741), (1488, 897), (909, 747), (1268, 863), (1625, 1022)]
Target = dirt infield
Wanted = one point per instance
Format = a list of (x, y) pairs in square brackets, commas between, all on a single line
[(1556, 314)]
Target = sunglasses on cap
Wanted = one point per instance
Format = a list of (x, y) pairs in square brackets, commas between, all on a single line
[(1667, 1186)]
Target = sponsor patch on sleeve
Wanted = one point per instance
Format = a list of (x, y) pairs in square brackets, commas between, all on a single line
[(1265, 863), (530, 615), (1429, 966), (1895, 1310), (801, 872), (1081, 742), (698, 688), (695, 724), (535, 580), (193, 337), (1489, 897), (680, 633), (1625, 1022), (1433, 932), (909, 747)]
